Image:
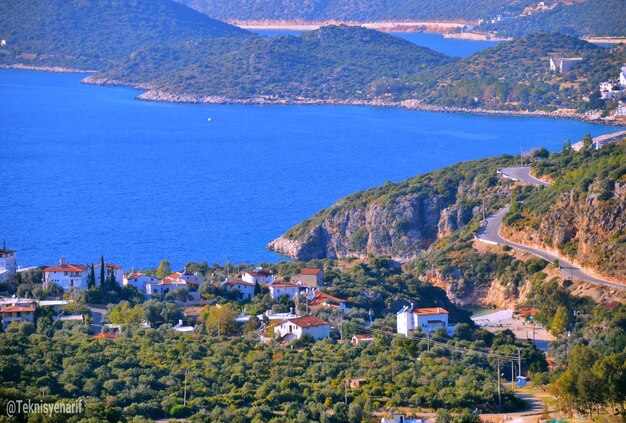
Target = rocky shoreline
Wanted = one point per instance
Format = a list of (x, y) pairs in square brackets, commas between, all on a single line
[(153, 94), (54, 69)]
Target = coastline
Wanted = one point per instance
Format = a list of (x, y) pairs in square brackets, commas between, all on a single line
[(53, 69), (156, 95), (438, 27)]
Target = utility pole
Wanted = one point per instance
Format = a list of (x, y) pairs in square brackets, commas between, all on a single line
[(499, 393), (428, 340), (519, 361), (185, 390), (512, 376), (521, 156), (341, 328)]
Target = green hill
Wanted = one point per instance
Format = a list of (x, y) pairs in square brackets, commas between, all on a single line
[(517, 75), (354, 10), (90, 34), (592, 17), (337, 62)]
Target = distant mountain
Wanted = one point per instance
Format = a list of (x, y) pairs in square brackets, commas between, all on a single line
[(354, 10), (334, 62), (89, 34), (590, 18), (516, 75)]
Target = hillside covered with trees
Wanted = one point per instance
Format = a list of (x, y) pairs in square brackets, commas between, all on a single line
[(92, 34), (354, 10), (588, 18)]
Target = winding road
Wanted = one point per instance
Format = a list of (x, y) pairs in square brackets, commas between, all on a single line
[(491, 234)]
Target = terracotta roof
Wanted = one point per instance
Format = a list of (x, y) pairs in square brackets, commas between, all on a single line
[(530, 312), (176, 281), (67, 268), (363, 337), (109, 265), (263, 273), (321, 298), (238, 282), (105, 336), (136, 275), (430, 310), (306, 322), (310, 271), (12, 309)]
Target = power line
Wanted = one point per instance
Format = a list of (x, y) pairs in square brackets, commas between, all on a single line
[(418, 337)]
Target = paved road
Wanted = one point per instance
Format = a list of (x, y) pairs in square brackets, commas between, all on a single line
[(521, 174), (491, 234)]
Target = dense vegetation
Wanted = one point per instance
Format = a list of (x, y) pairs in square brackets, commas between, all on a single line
[(354, 10), (588, 18), (91, 34), (517, 75), (332, 62), (587, 199)]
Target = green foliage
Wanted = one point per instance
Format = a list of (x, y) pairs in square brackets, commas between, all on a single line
[(164, 269), (587, 18), (355, 10)]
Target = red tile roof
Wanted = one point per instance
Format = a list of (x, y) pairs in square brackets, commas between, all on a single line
[(310, 271), (430, 310), (109, 265), (12, 309), (262, 273), (306, 322), (238, 282), (321, 298), (284, 285), (105, 336), (136, 275), (364, 337), (67, 268)]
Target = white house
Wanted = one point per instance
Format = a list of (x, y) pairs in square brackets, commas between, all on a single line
[(361, 339), (165, 285), (622, 76), (426, 319), (563, 64), (318, 299), (291, 329), (259, 275), (244, 287), (17, 313), (190, 278), (139, 281), (68, 276), (279, 289), (7, 260), (110, 269)]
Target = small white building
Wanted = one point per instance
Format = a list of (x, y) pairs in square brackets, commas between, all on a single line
[(139, 280), (259, 275), (318, 299), (309, 277), (563, 64), (362, 339), (7, 260), (621, 108), (161, 288), (245, 288), (280, 289), (399, 418), (424, 319), (622, 76), (190, 278), (291, 329), (110, 269), (17, 313), (68, 276), (610, 90)]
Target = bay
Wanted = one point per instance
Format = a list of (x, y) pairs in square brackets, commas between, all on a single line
[(89, 171)]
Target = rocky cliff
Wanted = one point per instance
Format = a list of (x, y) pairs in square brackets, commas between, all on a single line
[(397, 220)]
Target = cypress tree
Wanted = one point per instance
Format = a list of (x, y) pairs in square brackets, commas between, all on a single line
[(102, 273), (91, 281)]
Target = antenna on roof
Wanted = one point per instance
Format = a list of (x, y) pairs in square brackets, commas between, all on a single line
[(4, 244)]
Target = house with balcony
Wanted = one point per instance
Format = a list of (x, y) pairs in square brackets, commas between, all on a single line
[(259, 275), (68, 276), (291, 329), (425, 320)]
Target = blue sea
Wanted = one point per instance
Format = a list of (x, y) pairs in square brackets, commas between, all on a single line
[(89, 171)]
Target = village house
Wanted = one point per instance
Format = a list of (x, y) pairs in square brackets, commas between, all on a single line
[(17, 313), (245, 288), (291, 329), (317, 299), (161, 288), (622, 76), (68, 276), (356, 383), (282, 288), (189, 277), (103, 335), (424, 319), (309, 277), (259, 275), (563, 64), (610, 90), (361, 338), (139, 281), (109, 270), (8, 261)]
